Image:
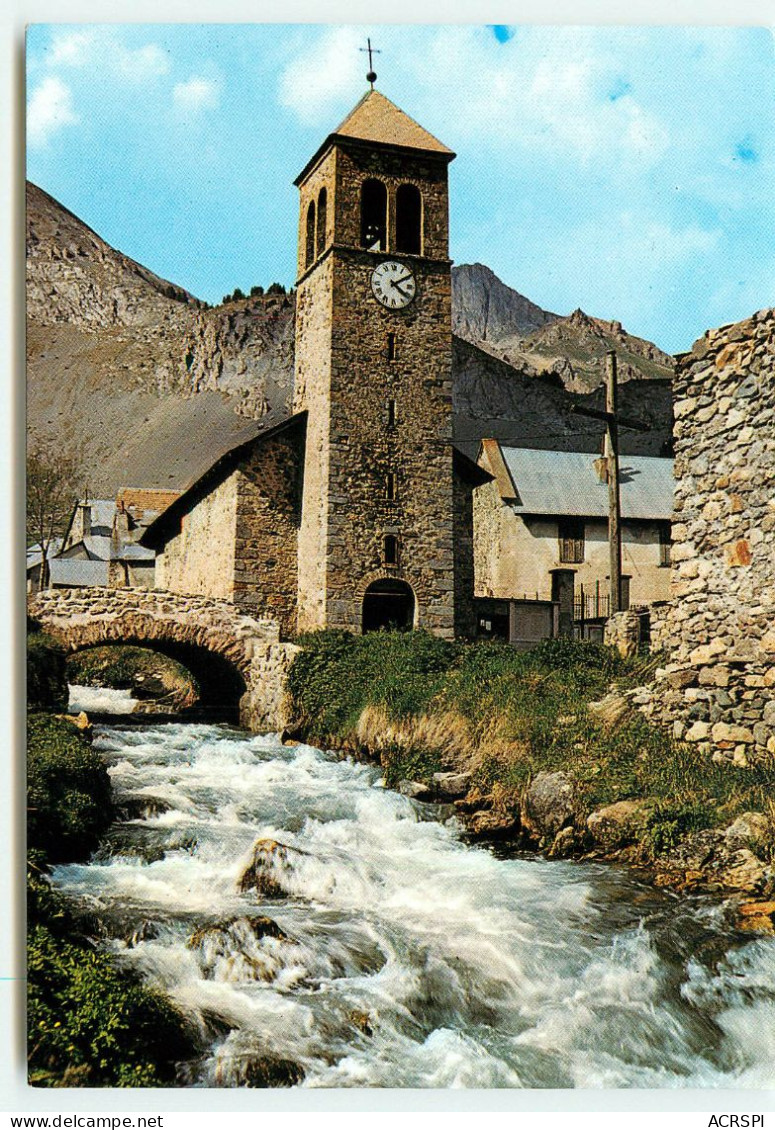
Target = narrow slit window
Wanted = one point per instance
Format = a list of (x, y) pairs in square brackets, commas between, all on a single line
[(322, 217), (390, 486), (310, 250), (391, 413), (391, 347), (390, 549), (664, 545)]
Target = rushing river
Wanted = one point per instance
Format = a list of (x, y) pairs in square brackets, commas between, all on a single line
[(405, 957)]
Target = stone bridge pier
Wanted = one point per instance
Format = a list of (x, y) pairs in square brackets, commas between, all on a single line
[(242, 653)]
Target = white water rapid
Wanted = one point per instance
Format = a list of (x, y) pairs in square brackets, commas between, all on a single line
[(405, 958), (100, 700)]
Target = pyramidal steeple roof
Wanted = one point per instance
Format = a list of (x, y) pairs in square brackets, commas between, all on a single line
[(377, 120)]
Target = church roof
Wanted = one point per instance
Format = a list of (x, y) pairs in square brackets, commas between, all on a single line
[(157, 533), (376, 120)]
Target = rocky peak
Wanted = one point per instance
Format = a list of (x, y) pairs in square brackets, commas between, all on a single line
[(485, 309)]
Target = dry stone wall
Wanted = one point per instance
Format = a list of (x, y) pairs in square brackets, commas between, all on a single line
[(718, 690)]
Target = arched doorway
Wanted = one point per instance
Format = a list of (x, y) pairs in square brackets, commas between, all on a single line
[(388, 604)]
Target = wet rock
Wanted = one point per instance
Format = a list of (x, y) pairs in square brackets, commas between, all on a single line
[(259, 925), (565, 844), (145, 932), (143, 807), (448, 786), (415, 790), (492, 825), (81, 722), (616, 824), (362, 1021), (548, 805), (269, 869), (263, 1071)]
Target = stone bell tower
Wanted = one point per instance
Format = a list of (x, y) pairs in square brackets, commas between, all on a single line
[(373, 372)]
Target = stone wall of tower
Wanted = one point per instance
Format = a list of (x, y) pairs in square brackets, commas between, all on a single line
[(312, 392), (268, 504), (364, 448)]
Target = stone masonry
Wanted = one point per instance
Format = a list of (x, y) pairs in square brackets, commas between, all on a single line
[(88, 617), (718, 689)]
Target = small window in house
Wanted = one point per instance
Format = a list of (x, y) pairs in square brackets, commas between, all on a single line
[(664, 545), (322, 210), (391, 347), (570, 533), (390, 549), (391, 413), (390, 486), (310, 250)]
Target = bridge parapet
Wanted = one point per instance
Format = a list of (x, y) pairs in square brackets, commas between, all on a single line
[(87, 617)]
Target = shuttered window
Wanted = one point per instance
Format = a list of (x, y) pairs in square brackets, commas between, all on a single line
[(570, 533)]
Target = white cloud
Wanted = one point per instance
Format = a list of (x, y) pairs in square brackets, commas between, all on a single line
[(322, 75), (102, 48), (196, 94), (50, 108)]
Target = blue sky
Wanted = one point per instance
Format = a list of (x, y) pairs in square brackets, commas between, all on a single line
[(628, 171)]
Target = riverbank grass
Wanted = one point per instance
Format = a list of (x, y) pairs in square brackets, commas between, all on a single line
[(423, 704)]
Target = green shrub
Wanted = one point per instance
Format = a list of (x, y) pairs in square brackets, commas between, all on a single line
[(68, 790), (92, 1023), (46, 673)]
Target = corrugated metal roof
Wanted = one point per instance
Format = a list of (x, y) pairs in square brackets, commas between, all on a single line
[(565, 482), (71, 571)]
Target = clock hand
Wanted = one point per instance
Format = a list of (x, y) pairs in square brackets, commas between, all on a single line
[(400, 289)]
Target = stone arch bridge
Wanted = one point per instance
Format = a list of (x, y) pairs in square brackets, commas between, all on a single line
[(233, 655)]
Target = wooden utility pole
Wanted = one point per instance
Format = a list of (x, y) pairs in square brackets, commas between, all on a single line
[(612, 422), (612, 467)]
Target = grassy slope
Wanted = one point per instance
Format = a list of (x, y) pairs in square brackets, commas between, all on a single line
[(424, 705)]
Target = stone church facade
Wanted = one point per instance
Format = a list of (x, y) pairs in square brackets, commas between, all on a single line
[(356, 511)]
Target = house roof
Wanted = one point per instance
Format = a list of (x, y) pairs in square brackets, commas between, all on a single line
[(155, 535), (78, 571), (154, 499), (566, 482), (375, 120)]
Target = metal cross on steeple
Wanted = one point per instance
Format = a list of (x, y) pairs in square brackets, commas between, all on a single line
[(371, 77)]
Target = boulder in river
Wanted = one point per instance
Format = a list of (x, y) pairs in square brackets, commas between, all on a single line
[(269, 869), (261, 1071), (548, 804), (415, 790)]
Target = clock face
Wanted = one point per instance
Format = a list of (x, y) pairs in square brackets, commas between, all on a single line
[(393, 284)]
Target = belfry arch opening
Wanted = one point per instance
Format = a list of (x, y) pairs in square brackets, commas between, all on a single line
[(409, 219), (373, 215), (388, 605), (310, 248)]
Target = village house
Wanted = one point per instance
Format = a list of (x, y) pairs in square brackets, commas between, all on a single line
[(101, 544), (541, 537)]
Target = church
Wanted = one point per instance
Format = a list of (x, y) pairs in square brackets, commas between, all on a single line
[(355, 511)]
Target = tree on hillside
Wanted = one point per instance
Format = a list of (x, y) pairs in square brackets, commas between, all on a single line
[(52, 477)]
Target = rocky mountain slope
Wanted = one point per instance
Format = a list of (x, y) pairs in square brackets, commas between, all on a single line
[(150, 384), (502, 322)]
